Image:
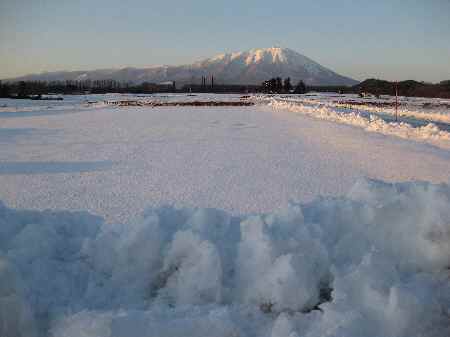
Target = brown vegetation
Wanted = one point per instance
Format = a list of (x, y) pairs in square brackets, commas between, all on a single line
[(194, 103)]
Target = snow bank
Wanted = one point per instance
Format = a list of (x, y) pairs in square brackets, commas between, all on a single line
[(427, 109), (437, 113), (429, 133), (373, 263)]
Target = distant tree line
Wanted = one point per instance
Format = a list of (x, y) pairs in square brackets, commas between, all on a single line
[(30, 89), (220, 88), (277, 85), (373, 86), (405, 88), (34, 89)]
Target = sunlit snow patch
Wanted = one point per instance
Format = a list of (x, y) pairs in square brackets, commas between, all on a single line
[(429, 133)]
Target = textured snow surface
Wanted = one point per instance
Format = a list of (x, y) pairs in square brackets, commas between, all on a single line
[(429, 133), (230, 255), (117, 161), (427, 109), (372, 263)]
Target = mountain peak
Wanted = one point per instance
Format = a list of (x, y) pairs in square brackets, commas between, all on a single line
[(255, 65), (273, 55), (254, 56)]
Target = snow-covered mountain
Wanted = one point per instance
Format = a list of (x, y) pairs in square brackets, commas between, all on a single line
[(249, 67), (257, 65)]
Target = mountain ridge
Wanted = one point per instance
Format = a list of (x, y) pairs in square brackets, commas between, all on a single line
[(246, 67)]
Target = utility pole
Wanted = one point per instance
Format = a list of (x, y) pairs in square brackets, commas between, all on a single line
[(396, 101)]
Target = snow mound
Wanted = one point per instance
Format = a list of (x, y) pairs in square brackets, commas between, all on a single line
[(429, 134), (426, 109), (372, 263)]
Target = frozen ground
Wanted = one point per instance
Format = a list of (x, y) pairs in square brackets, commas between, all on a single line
[(372, 259), (117, 161)]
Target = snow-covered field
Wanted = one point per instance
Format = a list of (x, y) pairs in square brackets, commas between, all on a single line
[(270, 220)]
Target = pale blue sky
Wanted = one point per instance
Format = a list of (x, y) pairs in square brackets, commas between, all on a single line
[(394, 39)]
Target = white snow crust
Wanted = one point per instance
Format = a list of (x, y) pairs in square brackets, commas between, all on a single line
[(427, 109), (372, 263), (220, 251), (429, 133), (117, 161)]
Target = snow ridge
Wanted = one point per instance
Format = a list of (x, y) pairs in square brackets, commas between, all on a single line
[(429, 134), (335, 267)]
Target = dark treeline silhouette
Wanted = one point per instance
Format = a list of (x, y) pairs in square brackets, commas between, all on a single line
[(331, 89), (278, 86), (379, 87), (220, 88), (405, 88), (300, 88), (273, 86), (36, 89)]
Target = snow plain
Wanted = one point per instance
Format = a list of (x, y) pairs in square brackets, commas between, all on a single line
[(117, 161), (359, 250)]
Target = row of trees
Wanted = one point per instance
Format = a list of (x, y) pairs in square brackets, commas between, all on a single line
[(277, 85), (4, 90), (274, 85), (35, 88), (408, 88)]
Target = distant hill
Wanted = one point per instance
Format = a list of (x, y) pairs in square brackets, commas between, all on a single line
[(248, 67), (405, 88)]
